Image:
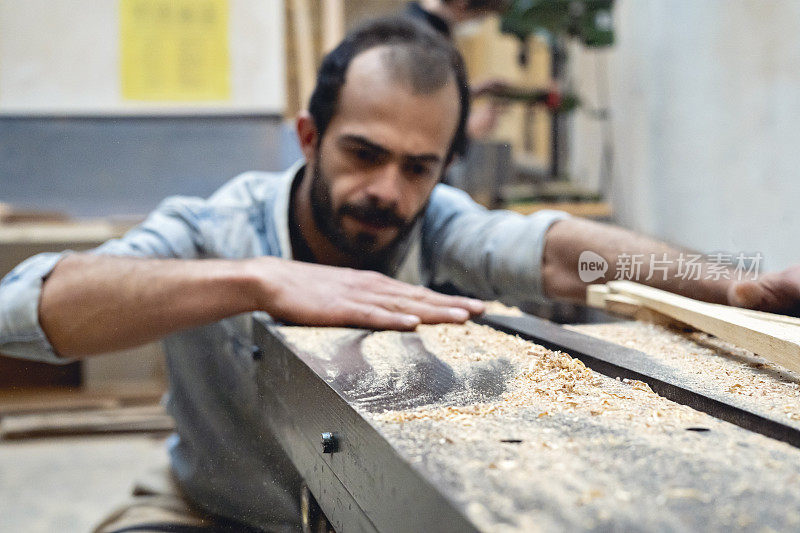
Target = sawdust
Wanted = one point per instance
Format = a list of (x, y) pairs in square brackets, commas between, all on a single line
[(322, 342), (552, 381), (711, 364), (527, 439), (607, 448), (497, 308)]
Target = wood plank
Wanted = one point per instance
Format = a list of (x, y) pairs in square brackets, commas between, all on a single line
[(596, 295), (332, 24), (91, 232), (44, 400), (59, 405), (772, 317), (601, 297), (123, 420), (303, 32), (12, 215), (780, 343)]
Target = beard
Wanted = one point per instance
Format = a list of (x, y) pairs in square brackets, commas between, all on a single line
[(364, 247)]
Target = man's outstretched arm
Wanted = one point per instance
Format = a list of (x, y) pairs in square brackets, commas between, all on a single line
[(93, 304), (567, 239)]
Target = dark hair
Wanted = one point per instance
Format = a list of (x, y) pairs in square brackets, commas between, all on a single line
[(427, 59)]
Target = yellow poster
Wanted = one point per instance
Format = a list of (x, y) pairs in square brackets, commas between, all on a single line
[(175, 50)]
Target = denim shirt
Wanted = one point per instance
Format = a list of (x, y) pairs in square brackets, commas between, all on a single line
[(222, 453)]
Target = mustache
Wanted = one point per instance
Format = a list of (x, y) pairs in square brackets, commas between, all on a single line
[(374, 215)]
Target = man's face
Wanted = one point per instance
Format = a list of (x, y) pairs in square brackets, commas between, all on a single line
[(380, 158), (330, 220)]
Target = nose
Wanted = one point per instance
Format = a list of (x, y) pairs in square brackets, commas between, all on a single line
[(386, 186)]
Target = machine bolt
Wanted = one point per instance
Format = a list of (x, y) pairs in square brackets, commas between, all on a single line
[(257, 352), (330, 444)]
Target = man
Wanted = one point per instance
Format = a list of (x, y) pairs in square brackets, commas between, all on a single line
[(388, 112)]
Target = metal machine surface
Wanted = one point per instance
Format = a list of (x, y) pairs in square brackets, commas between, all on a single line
[(360, 481), (617, 361), (325, 406)]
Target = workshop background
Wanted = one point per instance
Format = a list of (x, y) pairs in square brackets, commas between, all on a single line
[(685, 129)]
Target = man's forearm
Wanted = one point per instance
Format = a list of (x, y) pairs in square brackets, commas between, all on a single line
[(93, 304), (567, 239)]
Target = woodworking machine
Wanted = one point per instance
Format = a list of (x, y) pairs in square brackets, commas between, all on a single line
[(321, 407), (590, 21)]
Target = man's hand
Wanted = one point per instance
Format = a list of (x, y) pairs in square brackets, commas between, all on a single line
[(310, 294), (777, 292)]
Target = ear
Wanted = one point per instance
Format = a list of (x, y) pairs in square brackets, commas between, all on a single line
[(307, 135)]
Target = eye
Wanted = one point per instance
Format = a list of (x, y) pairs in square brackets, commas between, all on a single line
[(365, 155), (419, 170)]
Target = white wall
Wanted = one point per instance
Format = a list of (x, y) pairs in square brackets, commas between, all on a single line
[(706, 123), (64, 57)]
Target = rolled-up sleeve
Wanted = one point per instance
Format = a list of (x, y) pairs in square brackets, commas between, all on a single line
[(487, 254), (20, 333)]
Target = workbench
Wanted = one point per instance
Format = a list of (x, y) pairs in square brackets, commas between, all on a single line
[(466, 428), (22, 239)]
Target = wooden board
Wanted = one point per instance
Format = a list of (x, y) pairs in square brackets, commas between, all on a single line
[(771, 317), (11, 215), (47, 400), (122, 420), (777, 342), (601, 297), (304, 47)]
